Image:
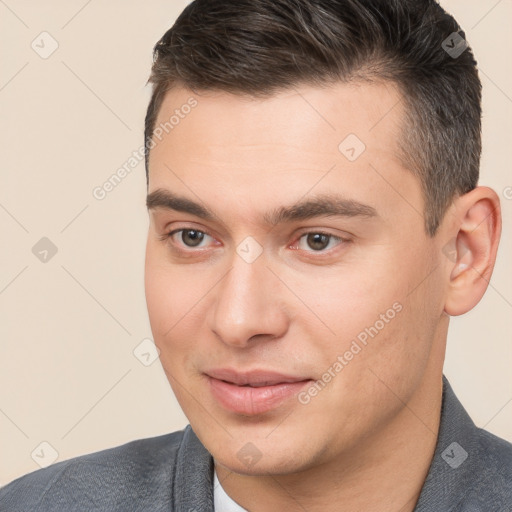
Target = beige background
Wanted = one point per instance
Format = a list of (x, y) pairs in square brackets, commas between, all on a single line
[(68, 328)]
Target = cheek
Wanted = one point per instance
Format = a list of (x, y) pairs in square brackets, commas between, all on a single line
[(165, 310), (373, 321), (174, 297), (159, 299), (349, 300), (169, 291)]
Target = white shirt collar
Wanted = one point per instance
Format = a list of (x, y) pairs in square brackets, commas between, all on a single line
[(222, 502)]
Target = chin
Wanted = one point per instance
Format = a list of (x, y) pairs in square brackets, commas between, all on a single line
[(257, 454), (265, 466)]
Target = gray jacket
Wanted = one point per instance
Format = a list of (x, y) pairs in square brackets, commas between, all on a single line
[(471, 471)]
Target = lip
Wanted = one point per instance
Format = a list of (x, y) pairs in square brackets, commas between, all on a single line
[(253, 377), (253, 392)]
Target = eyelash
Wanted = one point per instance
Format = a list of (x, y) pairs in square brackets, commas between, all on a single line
[(168, 236)]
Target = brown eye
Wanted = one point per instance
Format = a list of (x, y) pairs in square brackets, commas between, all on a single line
[(191, 237), (318, 241)]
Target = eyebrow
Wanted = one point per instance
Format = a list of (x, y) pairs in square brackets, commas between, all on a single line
[(324, 205)]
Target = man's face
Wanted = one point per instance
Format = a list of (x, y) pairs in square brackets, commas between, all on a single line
[(346, 294)]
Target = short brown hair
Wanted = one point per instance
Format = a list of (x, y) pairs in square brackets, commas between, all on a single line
[(259, 47)]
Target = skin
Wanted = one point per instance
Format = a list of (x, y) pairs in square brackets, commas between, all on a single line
[(367, 438)]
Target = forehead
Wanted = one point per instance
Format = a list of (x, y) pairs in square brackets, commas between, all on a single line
[(342, 138), (369, 110)]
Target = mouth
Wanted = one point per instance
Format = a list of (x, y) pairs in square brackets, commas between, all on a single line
[(255, 385), (254, 378), (253, 392)]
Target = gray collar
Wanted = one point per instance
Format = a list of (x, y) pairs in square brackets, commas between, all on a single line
[(452, 468)]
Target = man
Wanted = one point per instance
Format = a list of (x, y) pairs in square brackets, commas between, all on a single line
[(315, 220)]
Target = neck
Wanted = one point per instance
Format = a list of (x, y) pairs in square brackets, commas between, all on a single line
[(386, 471)]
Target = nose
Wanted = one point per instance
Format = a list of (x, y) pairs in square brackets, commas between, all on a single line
[(248, 305)]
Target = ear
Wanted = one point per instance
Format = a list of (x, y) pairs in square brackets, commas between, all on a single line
[(472, 250)]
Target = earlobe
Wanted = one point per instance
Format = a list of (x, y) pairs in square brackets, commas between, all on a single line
[(472, 251)]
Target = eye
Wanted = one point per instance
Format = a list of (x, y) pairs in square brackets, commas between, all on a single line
[(188, 237), (318, 241)]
